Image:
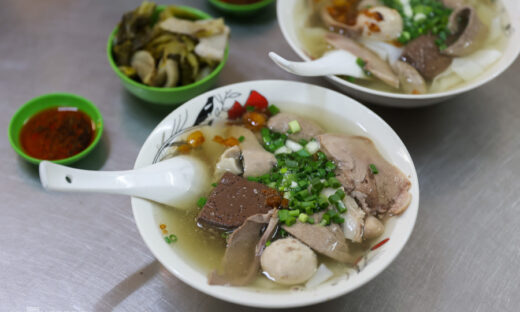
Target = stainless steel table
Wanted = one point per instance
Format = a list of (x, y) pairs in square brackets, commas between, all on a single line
[(73, 252)]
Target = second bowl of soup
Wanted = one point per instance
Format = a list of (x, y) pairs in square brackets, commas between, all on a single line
[(415, 53)]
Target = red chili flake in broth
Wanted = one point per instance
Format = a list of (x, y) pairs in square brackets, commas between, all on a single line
[(381, 243)]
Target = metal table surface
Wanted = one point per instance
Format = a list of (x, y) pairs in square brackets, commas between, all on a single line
[(79, 252)]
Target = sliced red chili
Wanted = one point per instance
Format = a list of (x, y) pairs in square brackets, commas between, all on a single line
[(257, 100), (381, 243), (236, 111)]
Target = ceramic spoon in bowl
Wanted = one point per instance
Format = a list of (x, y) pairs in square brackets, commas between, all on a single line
[(336, 62), (177, 182)]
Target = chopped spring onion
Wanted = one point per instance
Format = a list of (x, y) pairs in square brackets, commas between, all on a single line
[(241, 138), (290, 221), (294, 126), (273, 110), (283, 150), (303, 153), (202, 201), (361, 63), (267, 243), (173, 238), (312, 147), (333, 182), (250, 108), (294, 213), (293, 146), (373, 168), (214, 184), (283, 214)]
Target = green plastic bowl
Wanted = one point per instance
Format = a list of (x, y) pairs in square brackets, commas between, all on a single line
[(167, 96), (240, 9), (47, 101)]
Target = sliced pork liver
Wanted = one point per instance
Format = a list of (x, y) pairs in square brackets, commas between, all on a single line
[(424, 55), (378, 194), (280, 123), (235, 199), (245, 246)]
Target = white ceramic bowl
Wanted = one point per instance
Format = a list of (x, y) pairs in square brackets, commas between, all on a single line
[(350, 115), (285, 12)]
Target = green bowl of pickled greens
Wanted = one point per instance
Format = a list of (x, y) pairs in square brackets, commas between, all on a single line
[(166, 95), (241, 8)]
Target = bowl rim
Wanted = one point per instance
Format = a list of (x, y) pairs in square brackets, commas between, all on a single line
[(240, 8), (144, 215), (214, 72), (14, 135), (445, 94)]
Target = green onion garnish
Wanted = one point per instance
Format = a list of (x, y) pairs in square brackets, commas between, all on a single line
[(214, 184), (273, 110), (250, 108), (202, 201), (267, 243), (173, 238), (290, 221), (283, 214), (241, 138), (303, 217), (294, 126), (333, 182), (361, 63), (373, 168), (294, 213)]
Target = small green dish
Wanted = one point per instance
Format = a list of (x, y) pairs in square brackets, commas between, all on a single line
[(240, 9), (47, 101), (167, 96)]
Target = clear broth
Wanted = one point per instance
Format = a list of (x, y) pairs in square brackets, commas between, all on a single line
[(205, 248), (310, 32)]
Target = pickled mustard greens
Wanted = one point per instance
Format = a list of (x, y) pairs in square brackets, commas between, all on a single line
[(169, 47)]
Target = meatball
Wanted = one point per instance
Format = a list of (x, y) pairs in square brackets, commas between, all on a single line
[(287, 261), (373, 228)]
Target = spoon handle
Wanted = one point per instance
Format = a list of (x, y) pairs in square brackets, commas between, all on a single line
[(335, 62), (61, 178), (169, 182)]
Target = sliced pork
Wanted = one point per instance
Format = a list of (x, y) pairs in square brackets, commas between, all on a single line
[(326, 240), (374, 64), (229, 162), (255, 159), (470, 32), (280, 123), (378, 194), (245, 245)]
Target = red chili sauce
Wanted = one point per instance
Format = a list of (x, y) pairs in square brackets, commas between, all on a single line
[(57, 133)]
